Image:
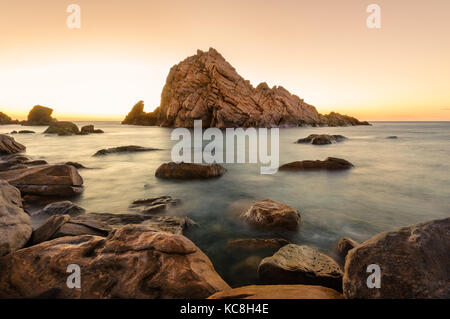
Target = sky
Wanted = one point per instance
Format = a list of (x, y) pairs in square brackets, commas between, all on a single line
[(322, 51)]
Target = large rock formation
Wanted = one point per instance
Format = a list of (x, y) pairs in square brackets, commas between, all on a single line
[(414, 263), (39, 115), (15, 225), (294, 264), (278, 292), (8, 145), (45, 180), (5, 119), (62, 128), (206, 87), (133, 262)]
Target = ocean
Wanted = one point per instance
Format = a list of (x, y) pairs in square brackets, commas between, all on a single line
[(395, 182)]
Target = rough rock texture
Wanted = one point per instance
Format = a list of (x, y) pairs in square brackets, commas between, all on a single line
[(322, 139), (257, 243), (61, 208), (155, 204), (39, 115), (294, 264), (8, 145), (124, 149), (15, 225), (330, 163), (414, 263), (5, 119), (182, 170), (48, 229), (272, 215), (46, 180), (206, 87), (62, 128), (344, 245), (278, 292), (133, 262)]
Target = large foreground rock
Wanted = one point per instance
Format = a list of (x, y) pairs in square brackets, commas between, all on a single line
[(15, 225), (133, 262), (206, 87), (189, 171), (62, 128), (8, 145), (294, 264), (330, 164), (273, 215), (278, 292), (45, 180), (414, 262), (40, 115)]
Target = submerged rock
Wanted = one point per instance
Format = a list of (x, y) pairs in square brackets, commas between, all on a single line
[(39, 115), (76, 165), (8, 145), (272, 215), (133, 262), (15, 224), (414, 263), (278, 292), (330, 163), (61, 208), (23, 132), (294, 264), (62, 128), (257, 243), (206, 87), (46, 180), (189, 171), (321, 139), (124, 149), (155, 204)]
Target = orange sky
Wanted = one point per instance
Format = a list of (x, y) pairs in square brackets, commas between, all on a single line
[(320, 50)]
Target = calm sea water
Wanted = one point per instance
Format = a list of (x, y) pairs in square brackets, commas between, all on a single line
[(395, 182)]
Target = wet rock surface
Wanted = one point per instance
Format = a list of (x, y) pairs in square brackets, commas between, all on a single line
[(124, 149), (321, 139), (173, 170), (62, 128), (9, 145), (330, 163)]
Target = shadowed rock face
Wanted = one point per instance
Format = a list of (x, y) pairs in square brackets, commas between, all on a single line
[(414, 263), (5, 119), (8, 145), (330, 163), (294, 264), (15, 225), (62, 128), (206, 87), (132, 262), (189, 171), (278, 292), (321, 139), (40, 115), (45, 180)]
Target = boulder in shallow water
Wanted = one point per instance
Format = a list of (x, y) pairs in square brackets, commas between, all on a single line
[(321, 139), (273, 215), (257, 243), (344, 245), (133, 262), (182, 170), (89, 129), (61, 208), (330, 163), (414, 263), (278, 292), (15, 224), (46, 180), (155, 204), (124, 149), (62, 128), (8, 145), (294, 264)]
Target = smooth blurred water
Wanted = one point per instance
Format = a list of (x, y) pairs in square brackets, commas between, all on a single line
[(395, 182)]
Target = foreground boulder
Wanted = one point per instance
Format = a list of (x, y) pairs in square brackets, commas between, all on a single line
[(133, 262), (206, 87), (321, 139), (273, 215), (124, 149), (189, 171), (39, 115), (344, 245), (45, 180), (48, 229), (8, 145), (15, 225), (278, 292), (414, 263), (294, 264), (330, 163), (62, 128)]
